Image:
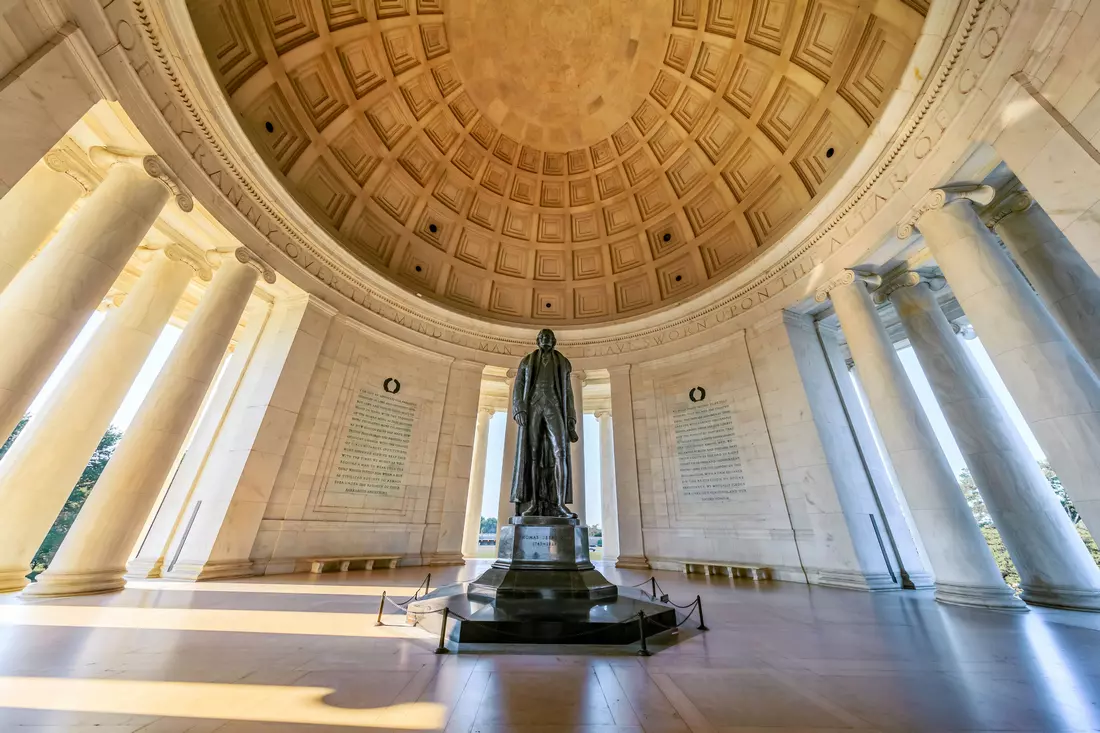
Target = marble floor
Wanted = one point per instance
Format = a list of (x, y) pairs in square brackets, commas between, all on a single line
[(299, 653)]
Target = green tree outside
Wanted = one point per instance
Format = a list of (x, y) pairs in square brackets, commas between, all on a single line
[(75, 501), (14, 434), (488, 525), (993, 537)]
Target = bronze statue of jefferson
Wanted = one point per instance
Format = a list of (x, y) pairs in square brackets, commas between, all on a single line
[(542, 406)]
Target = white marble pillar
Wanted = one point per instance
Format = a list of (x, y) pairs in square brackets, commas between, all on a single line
[(1054, 565), (476, 494), (1066, 283), (576, 450), (92, 558), (627, 490), (29, 212), (49, 301), (900, 527), (1049, 379), (47, 460), (168, 515), (505, 508), (608, 503), (963, 565)]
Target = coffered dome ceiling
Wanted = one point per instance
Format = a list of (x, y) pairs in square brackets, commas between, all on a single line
[(558, 161)]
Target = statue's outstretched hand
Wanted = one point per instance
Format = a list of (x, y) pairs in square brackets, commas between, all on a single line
[(521, 419)]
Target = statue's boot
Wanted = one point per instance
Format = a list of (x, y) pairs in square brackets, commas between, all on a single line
[(558, 510)]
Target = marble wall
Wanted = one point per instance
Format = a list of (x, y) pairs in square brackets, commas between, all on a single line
[(750, 525), (791, 505), (311, 513)]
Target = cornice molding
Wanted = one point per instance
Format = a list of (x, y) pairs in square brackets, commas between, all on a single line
[(165, 59)]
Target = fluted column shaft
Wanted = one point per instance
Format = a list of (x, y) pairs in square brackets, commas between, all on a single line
[(48, 302), (476, 494), (965, 571), (576, 450), (1054, 566), (505, 508), (1066, 283), (47, 460), (29, 212), (93, 556), (1051, 382), (608, 504)]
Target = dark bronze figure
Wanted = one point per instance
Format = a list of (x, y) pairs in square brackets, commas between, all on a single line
[(542, 405)]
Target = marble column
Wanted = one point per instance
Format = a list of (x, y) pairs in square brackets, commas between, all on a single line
[(29, 212), (92, 558), (505, 508), (627, 490), (1066, 283), (1049, 379), (608, 503), (476, 494), (576, 450), (47, 460), (49, 301), (168, 516), (900, 528), (1054, 565), (965, 572)]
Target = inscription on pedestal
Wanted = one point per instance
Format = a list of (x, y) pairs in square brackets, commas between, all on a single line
[(376, 448), (707, 453)]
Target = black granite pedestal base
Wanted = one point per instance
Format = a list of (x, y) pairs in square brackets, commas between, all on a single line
[(481, 620), (542, 589)]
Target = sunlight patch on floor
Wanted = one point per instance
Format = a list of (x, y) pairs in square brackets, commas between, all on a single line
[(312, 623), (258, 703), (396, 591)]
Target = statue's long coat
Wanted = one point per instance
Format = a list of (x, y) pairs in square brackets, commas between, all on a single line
[(522, 491)]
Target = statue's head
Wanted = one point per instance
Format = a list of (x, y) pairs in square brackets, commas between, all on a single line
[(546, 340)]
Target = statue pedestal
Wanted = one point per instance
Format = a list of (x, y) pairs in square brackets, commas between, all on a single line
[(542, 589), (543, 557)]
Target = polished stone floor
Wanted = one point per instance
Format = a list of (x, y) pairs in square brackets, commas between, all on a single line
[(295, 653)]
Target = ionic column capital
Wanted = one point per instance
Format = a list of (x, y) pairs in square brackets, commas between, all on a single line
[(246, 257), (601, 414), (67, 160), (1016, 202), (902, 278), (964, 331), (194, 260), (847, 277), (486, 410), (937, 198), (153, 166), (113, 299)]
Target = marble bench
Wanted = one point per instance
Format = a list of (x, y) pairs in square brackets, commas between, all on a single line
[(317, 564), (728, 569)]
